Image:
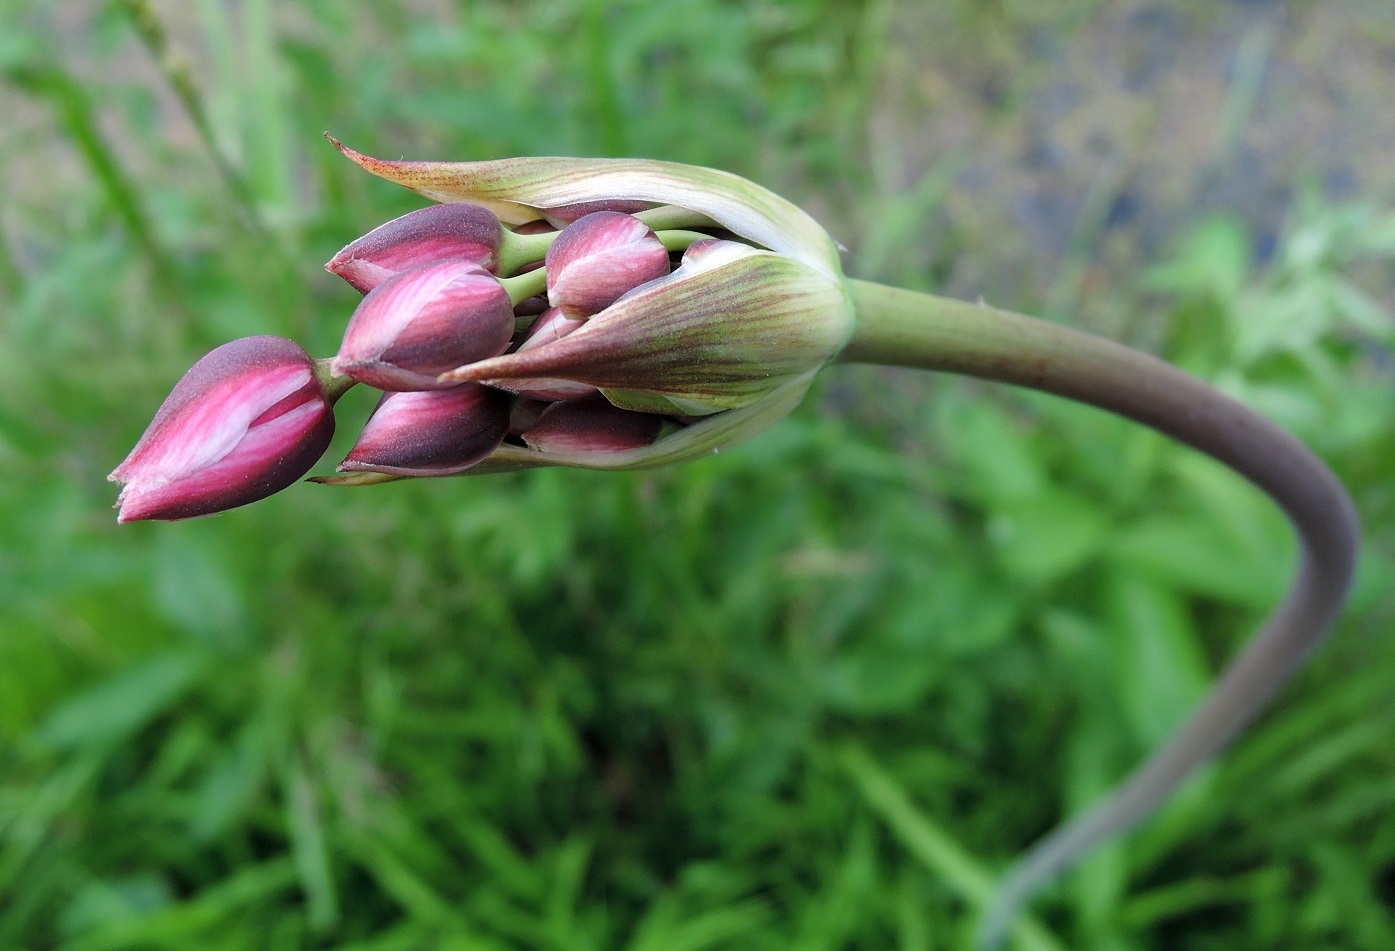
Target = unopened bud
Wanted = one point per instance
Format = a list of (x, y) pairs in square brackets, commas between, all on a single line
[(420, 323), (453, 231), (431, 433), (592, 425), (524, 415), (246, 421), (569, 213), (600, 257)]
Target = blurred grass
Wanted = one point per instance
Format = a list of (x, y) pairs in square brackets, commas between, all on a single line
[(807, 694)]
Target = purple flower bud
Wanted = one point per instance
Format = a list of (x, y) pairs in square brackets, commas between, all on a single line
[(246, 421), (570, 213), (420, 323), (592, 425), (431, 433), (456, 231), (600, 257), (531, 306), (524, 415), (698, 250), (550, 327)]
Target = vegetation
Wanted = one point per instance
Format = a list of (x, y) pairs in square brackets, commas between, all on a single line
[(812, 693)]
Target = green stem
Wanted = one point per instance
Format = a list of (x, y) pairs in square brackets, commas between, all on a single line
[(679, 240), (334, 386), (667, 217), (178, 73), (517, 251), (917, 330), (520, 250), (525, 285)]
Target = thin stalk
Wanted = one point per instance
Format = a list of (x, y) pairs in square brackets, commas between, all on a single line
[(334, 386), (525, 285), (520, 250), (177, 72), (903, 328), (517, 251), (680, 240), (78, 117), (668, 217)]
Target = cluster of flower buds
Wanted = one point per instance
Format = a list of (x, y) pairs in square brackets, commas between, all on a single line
[(607, 314)]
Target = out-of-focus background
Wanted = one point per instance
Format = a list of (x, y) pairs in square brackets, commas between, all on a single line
[(813, 693)]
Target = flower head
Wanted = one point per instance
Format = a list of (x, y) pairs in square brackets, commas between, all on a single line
[(600, 313), (248, 420), (681, 293)]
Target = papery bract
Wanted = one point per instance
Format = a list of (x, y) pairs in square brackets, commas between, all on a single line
[(551, 325), (521, 189), (424, 321), (725, 329), (431, 433), (246, 421), (456, 231)]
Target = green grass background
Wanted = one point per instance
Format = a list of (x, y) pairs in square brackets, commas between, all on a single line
[(811, 693)]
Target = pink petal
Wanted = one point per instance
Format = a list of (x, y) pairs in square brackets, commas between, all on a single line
[(461, 231)]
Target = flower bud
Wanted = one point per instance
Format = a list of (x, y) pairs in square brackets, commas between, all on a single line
[(552, 325), (420, 323), (431, 433), (569, 213), (458, 230), (246, 421), (598, 258), (525, 414), (592, 425)]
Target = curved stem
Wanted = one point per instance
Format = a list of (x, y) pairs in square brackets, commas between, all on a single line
[(903, 328)]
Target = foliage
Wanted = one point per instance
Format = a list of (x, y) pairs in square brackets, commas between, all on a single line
[(812, 693)]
